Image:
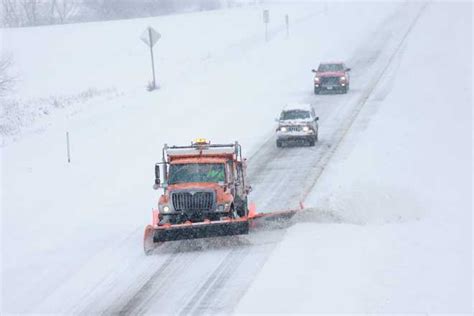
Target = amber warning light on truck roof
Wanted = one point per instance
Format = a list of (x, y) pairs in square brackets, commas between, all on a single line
[(200, 141)]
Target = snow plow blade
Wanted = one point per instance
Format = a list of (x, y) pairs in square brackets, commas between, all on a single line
[(274, 220), (156, 235), (201, 230), (275, 216)]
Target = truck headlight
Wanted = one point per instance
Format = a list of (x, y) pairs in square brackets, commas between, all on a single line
[(166, 209), (343, 78), (223, 207), (283, 129), (306, 129), (316, 79)]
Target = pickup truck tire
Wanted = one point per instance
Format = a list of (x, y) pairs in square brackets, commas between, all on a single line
[(279, 143), (317, 90)]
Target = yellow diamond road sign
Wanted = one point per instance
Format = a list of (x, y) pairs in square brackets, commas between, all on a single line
[(150, 36)]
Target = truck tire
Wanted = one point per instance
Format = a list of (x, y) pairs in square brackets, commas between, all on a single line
[(242, 208), (312, 142), (279, 143), (317, 91)]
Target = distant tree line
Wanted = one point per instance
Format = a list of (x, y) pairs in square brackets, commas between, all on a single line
[(20, 13)]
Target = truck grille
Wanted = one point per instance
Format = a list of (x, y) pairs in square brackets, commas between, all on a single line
[(193, 202), (330, 81)]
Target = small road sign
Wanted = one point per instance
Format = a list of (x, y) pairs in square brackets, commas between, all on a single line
[(266, 16), (266, 20), (150, 36)]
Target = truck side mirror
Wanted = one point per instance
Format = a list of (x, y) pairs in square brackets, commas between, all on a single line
[(157, 174), (313, 70)]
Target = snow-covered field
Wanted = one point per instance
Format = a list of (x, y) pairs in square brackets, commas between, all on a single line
[(391, 174)]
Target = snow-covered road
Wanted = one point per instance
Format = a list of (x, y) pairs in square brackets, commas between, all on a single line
[(86, 257), (281, 178)]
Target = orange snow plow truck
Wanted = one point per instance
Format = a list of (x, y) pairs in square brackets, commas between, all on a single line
[(204, 193)]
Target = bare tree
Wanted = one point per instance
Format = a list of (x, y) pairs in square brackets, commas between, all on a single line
[(18, 13), (10, 13), (64, 9), (209, 4), (105, 9), (6, 79), (30, 10)]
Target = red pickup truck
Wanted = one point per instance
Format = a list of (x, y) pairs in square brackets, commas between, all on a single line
[(331, 76)]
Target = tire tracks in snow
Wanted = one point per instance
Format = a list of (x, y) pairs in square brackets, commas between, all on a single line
[(198, 303), (155, 285), (285, 184)]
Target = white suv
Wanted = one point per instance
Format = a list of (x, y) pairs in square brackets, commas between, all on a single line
[(297, 123)]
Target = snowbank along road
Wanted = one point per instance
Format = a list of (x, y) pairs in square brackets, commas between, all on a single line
[(93, 262)]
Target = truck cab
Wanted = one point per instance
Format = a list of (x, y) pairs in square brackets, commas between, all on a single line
[(201, 182)]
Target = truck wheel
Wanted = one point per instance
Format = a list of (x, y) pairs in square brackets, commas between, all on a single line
[(311, 142), (279, 143), (345, 89), (242, 209), (317, 91), (316, 138)]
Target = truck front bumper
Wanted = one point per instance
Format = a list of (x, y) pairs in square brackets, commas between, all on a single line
[(295, 136), (329, 87)]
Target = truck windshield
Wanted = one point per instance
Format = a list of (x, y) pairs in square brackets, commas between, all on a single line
[(294, 115), (330, 67), (196, 172)]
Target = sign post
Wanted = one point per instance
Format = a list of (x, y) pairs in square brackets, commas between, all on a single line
[(68, 148), (150, 36), (266, 19)]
